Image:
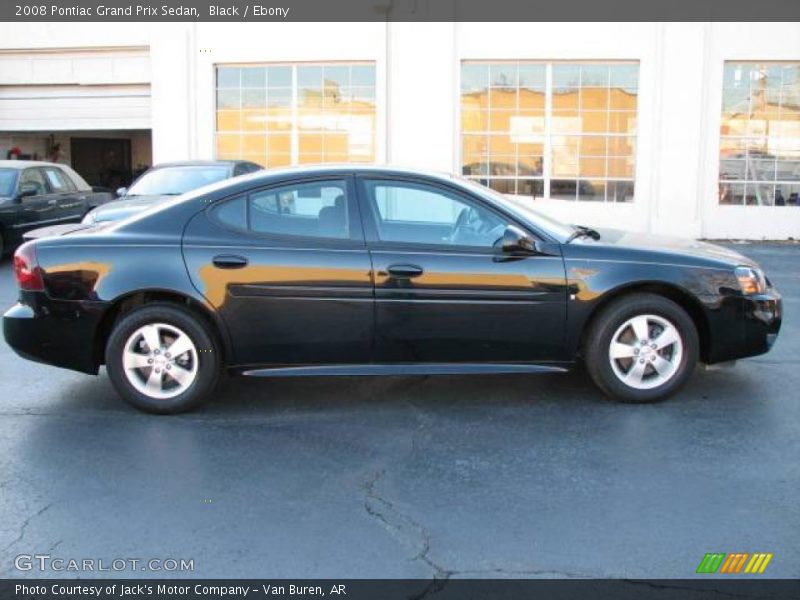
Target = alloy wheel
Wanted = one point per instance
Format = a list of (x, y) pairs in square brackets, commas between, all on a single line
[(645, 351), (160, 360)]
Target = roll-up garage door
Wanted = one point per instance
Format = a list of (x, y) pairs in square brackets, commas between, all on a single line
[(75, 90)]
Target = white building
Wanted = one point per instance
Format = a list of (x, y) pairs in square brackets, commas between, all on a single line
[(680, 128)]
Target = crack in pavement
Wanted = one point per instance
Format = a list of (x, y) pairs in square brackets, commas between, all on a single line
[(27, 521), (413, 535), (416, 537)]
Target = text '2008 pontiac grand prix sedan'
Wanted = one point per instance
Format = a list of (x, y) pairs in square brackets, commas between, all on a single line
[(370, 271)]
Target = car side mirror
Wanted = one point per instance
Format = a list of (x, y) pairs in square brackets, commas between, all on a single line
[(122, 192), (27, 189), (516, 240)]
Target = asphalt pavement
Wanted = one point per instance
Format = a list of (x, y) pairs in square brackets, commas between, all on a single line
[(479, 476)]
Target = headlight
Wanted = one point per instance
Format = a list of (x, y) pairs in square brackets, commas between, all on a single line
[(752, 281), (90, 218)]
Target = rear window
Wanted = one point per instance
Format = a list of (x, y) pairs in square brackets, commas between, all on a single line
[(172, 181)]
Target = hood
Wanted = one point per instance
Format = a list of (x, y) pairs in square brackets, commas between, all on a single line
[(677, 246), (125, 207)]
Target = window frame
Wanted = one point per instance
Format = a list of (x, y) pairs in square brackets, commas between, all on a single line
[(746, 182), (547, 135), (355, 240), (295, 131), (370, 219)]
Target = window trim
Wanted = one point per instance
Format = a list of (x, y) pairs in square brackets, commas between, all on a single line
[(546, 176), (371, 228), (295, 131), (746, 182), (356, 239)]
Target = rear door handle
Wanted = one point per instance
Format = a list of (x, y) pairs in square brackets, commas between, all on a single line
[(404, 271), (229, 261)]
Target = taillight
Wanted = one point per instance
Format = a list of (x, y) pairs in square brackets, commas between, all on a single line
[(27, 270)]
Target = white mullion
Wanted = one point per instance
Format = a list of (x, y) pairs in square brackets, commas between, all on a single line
[(516, 150), (606, 133), (548, 119), (294, 146)]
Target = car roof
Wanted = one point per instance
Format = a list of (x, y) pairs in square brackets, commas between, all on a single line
[(24, 164), (339, 169)]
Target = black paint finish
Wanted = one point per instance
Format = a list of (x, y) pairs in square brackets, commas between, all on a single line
[(289, 301)]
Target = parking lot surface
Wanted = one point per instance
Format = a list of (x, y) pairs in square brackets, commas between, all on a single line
[(479, 476)]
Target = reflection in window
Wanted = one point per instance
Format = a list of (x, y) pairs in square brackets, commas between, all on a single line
[(760, 134), (279, 115), (418, 214), (517, 116)]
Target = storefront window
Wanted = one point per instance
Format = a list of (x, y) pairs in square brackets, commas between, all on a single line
[(278, 115), (760, 135), (558, 130)]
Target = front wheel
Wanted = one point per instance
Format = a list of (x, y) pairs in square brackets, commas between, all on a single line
[(162, 359), (641, 348)]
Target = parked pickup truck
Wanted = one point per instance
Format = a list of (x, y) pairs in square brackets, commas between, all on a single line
[(36, 194)]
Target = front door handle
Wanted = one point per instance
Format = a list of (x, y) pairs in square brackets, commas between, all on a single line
[(229, 261), (404, 271)]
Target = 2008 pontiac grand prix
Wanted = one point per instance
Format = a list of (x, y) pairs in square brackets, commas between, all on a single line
[(370, 271)]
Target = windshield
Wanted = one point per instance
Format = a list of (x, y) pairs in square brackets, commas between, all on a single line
[(560, 231), (171, 181), (8, 179)]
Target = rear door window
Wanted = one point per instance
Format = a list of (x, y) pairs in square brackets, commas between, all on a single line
[(317, 209)]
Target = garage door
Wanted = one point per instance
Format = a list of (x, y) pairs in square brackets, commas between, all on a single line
[(73, 90)]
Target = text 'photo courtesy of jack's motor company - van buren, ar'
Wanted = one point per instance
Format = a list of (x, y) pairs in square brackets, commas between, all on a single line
[(202, 590)]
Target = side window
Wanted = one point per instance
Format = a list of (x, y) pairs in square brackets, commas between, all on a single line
[(318, 209), (315, 209), (232, 213), (33, 178), (419, 214), (59, 182)]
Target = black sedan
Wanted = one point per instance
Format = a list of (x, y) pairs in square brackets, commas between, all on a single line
[(371, 271), (34, 194)]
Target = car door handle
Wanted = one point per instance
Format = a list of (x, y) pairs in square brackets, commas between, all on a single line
[(52, 201), (229, 261), (404, 271)]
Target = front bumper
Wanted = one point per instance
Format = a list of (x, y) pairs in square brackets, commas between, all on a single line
[(746, 326), (58, 333)]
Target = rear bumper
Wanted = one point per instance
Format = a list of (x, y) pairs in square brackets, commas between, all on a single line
[(58, 333), (749, 327)]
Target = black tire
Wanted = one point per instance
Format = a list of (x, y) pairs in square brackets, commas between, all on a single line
[(615, 315), (2, 245), (207, 356)]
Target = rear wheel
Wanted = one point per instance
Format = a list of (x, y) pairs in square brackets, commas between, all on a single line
[(641, 348), (162, 359)]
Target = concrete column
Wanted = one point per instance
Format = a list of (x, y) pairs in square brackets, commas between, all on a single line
[(172, 93), (678, 132), (422, 95)]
